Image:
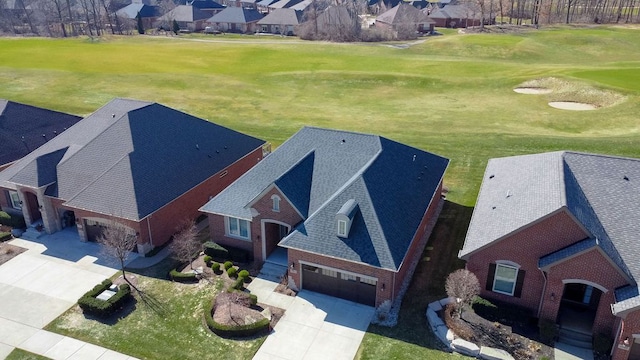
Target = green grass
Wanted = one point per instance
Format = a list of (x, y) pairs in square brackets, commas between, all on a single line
[(451, 94), (19, 354), (166, 323)]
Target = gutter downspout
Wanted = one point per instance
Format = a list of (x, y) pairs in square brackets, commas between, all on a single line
[(544, 289)]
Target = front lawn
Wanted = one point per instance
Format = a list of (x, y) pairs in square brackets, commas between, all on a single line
[(166, 322), (412, 338)]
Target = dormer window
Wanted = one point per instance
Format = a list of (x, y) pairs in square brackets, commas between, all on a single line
[(344, 218), (276, 203)]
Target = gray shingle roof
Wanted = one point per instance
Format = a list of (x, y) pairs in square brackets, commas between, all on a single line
[(601, 192), (404, 14), (130, 158), (236, 15), (185, 13), (455, 11), (392, 184), (131, 11), (23, 128), (282, 17)]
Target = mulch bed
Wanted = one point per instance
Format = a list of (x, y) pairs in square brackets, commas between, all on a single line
[(8, 251), (518, 338)]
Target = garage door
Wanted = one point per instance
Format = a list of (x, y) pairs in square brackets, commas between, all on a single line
[(93, 229), (343, 285)]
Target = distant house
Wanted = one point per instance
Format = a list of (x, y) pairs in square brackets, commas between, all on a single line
[(189, 18), (236, 19), (280, 21), (455, 16), (24, 128), (557, 234), (263, 5), (141, 164), (405, 17), (349, 212), (148, 13), (209, 6)]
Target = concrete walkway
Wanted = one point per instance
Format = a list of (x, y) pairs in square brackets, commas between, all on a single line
[(563, 351), (314, 326), (39, 285)]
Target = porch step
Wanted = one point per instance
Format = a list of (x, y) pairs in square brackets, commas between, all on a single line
[(272, 272), (575, 338), (31, 234)]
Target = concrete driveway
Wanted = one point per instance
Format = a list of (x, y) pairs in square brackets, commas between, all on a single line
[(36, 288), (315, 326)]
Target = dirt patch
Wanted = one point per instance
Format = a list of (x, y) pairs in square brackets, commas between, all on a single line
[(532, 90), (234, 309), (571, 105), (8, 252), (517, 338)]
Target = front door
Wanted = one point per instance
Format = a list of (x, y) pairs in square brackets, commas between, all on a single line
[(578, 307)]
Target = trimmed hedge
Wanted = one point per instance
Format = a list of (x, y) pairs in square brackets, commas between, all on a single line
[(15, 221), (178, 276), (234, 331), (207, 260), (221, 253), (228, 265), (215, 267), (215, 251), (238, 284), (243, 274), (101, 308), (232, 272), (5, 236)]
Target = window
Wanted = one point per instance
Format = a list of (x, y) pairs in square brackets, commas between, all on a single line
[(276, 203), (328, 272), (368, 281), (350, 277), (15, 200), (342, 228), (238, 228), (505, 279)]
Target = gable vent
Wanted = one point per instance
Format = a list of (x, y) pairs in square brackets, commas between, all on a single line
[(344, 218)]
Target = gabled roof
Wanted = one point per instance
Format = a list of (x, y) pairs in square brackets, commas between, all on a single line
[(236, 15), (282, 17), (455, 11), (130, 158), (131, 11), (601, 192), (302, 5), (23, 128), (282, 4), (404, 14), (185, 13), (206, 5), (319, 170)]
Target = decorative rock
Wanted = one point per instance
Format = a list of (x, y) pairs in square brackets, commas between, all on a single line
[(465, 347), (435, 306), (489, 353)]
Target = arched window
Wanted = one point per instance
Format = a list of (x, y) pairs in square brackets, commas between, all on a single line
[(276, 203)]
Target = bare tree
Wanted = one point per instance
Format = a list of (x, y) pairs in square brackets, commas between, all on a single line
[(462, 284), (118, 241), (186, 245)]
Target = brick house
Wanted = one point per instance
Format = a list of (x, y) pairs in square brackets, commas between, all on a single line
[(141, 164), (24, 128), (346, 209), (405, 18), (556, 233)]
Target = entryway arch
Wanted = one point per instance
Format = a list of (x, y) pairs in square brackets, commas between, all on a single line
[(272, 232), (579, 304)]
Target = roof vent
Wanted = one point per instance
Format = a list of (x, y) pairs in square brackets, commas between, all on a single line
[(491, 176), (414, 157), (113, 116), (343, 141), (493, 208), (626, 178), (197, 147)]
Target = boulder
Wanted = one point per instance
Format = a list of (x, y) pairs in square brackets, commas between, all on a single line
[(465, 347), (489, 353)]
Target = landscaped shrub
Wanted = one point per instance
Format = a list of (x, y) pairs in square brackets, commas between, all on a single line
[(602, 344), (507, 314), (215, 251), (238, 284), (207, 260), (232, 272), (243, 274), (227, 265), (548, 331), (253, 299), (178, 276), (101, 308), (15, 221), (5, 236), (215, 267), (237, 330)]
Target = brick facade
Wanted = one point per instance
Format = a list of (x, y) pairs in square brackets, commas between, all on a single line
[(541, 238)]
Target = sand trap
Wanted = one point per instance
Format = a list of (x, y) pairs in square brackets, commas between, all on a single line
[(532, 90), (570, 105)]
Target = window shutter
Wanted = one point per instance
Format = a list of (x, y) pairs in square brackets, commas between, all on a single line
[(519, 282), (490, 276)]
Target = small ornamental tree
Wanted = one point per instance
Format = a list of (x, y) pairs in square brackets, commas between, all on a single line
[(463, 285), (186, 245), (118, 241), (175, 27)]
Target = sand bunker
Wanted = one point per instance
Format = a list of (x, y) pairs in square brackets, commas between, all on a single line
[(532, 90), (571, 105)]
